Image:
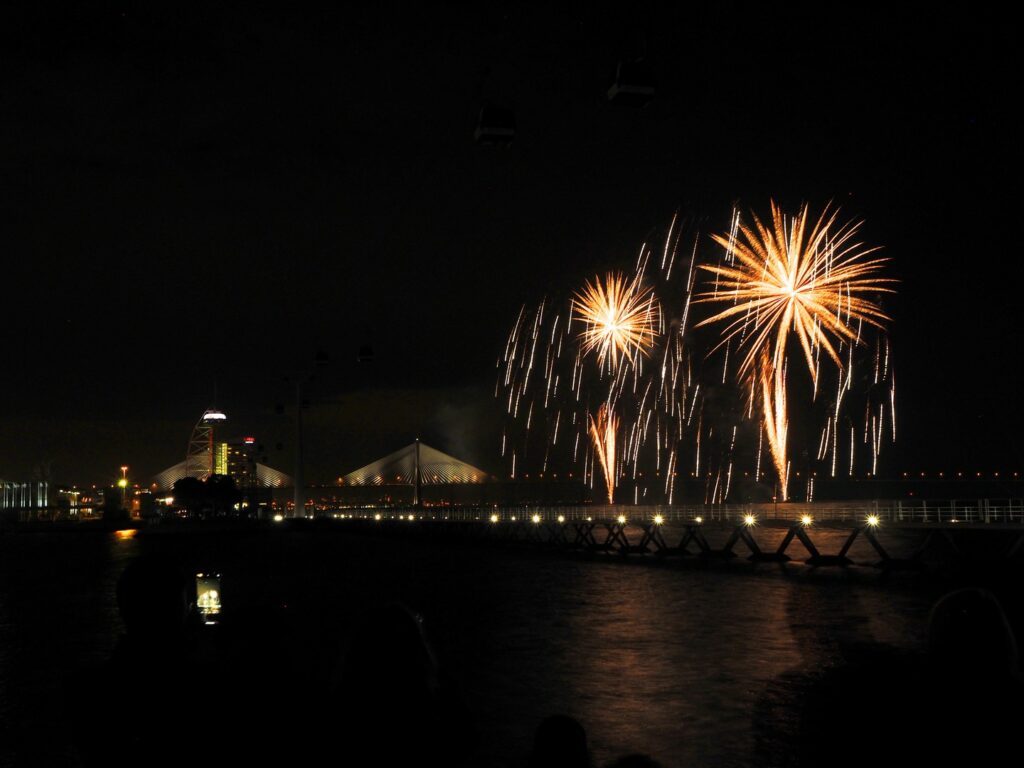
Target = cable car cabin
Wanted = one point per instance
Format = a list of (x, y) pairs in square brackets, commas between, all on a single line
[(496, 126), (634, 84)]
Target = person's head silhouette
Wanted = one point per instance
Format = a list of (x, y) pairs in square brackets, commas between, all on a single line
[(969, 636), (152, 598)]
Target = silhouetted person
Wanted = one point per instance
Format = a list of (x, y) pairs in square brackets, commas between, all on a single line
[(153, 600), (146, 704), (959, 704), (969, 638), (972, 683), (635, 761), (391, 699), (559, 742)]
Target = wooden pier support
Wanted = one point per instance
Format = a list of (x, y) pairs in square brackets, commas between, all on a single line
[(653, 540), (695, 535), (584, 535), (799, 531), (739, 533), (885, 562)]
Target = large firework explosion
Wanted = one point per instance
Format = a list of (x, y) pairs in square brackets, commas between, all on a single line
[(792, 277), (614, 385)]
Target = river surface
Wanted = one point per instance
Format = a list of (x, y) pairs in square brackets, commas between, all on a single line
[(691, 665)]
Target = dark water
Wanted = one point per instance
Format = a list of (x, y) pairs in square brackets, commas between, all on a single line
[(693, 666)]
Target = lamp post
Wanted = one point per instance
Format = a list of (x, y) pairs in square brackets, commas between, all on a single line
[(123, 485), (299, 500)]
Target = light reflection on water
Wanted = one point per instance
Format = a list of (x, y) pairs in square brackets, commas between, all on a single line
[(673, 662)]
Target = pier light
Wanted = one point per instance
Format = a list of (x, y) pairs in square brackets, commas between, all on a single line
[(749, 521), (658, 519), (806, 520), (494, 518), (621, 519), (589, 519), (377, 516), (401, 517), (278, 518), (513, 518), (561, 518), (698, 519), (873, 521), (411, 518), (535, 519)]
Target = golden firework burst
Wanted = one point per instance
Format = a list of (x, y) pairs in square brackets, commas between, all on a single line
[(619, 318), (813, 280)]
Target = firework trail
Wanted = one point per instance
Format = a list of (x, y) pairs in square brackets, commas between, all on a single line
[(792, 277), (603, 433), (614, 385)]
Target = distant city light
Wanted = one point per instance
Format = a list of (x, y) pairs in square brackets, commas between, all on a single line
[(873, 521), (698, 520), (621, 519), (494, 518), (749, 520), (658, 519), (561, 518), (214, 416), (535, 518), (278, 518), (806, 520), (126, 533)]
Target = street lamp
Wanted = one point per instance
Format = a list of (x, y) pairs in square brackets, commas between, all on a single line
[(123, 485)]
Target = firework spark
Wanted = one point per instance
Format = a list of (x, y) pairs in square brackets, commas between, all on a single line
[(620, 318), (781, 279), (603, 432)]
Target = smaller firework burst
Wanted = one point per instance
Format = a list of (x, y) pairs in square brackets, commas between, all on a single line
[(620, 318)]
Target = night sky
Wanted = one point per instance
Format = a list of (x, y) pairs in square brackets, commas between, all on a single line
[(195, 202)]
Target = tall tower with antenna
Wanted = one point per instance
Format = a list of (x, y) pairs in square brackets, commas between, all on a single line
[(200, 457)]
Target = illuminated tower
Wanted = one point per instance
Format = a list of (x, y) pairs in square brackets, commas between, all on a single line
[(200, 460)]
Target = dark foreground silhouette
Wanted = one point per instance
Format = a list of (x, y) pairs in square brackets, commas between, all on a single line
[(176, 693), (958, 704), (142, 705)]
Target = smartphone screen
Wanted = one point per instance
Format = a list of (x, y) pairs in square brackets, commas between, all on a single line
[(208, 596)]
